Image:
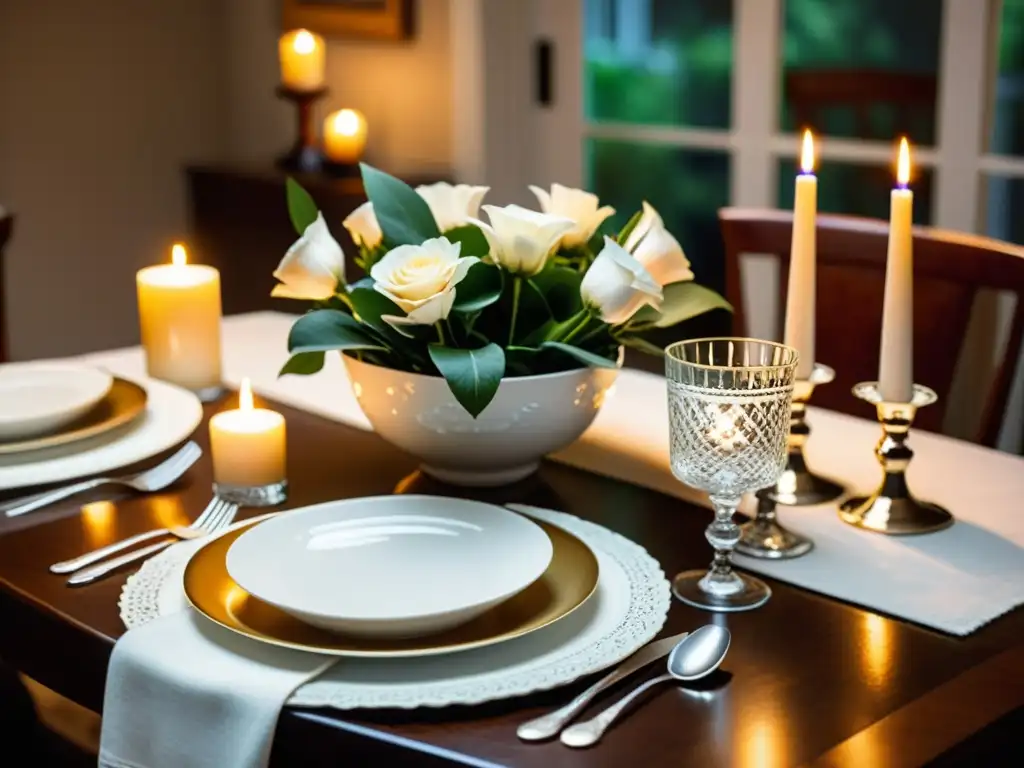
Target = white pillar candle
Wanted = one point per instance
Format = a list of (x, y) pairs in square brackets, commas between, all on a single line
[(344, 136), (302, 60), (247, 444), (802, 254), (895, 367), (179, 318)]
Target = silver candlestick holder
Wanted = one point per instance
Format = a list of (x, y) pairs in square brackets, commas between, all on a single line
[(893, 509), (764, 537)]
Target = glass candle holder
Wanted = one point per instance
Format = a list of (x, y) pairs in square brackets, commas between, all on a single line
[(729, 405)]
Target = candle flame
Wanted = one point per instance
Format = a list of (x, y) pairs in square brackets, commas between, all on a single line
[(304, 42), (346, 122), (245, 395), (903, 163), (179, 256), (807, 155)]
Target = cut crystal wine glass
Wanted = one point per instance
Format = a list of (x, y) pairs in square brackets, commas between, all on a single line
[(729, 404)]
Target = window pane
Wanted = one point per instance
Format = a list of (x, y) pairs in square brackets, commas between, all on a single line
[(1004, 211), (686, 186), (1007, 136), (858, 190), (863, 69), (659, 62)]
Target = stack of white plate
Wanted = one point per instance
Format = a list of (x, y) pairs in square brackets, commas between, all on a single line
[(59, 421), (391, 576)]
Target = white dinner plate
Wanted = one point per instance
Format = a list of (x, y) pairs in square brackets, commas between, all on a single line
[(390, 566), (37, 398), (171, 416)]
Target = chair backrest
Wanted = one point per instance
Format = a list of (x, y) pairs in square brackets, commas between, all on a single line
[(6, 229), (949, 269)]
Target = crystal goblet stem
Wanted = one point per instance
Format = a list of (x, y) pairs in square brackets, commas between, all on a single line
[(720, 588)]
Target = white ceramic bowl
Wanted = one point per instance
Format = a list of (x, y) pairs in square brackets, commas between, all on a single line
[(529, 417), (38, 398), (390, 566)]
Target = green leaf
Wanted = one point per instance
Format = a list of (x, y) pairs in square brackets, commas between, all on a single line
[(474, 242), (682, 301), (642, 345), (581, 355), (404, 216), (362, 282), (596, 241), (473, 375), (560, 287), (480, 288), (627, 230), (301, 208), (303, 364), (370, 304), (326, 329)]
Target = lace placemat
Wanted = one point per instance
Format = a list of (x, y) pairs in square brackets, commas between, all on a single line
[(627, 611)]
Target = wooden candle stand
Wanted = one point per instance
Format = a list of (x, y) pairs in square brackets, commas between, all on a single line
[(305, 155)]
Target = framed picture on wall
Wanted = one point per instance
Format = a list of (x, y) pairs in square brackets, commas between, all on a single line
[(368, 19)]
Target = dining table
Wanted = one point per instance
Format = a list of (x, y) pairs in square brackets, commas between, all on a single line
[(809, 679)]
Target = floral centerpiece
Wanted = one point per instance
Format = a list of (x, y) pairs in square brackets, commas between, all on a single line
[(523, 295)]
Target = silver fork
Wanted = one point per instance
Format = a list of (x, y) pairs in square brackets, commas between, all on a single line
[(190, 531), (221, 515), (153, 479)]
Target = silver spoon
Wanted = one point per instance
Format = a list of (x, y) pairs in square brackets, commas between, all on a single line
[(695, 656)]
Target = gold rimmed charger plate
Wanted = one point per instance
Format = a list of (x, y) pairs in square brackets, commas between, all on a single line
[(125, 401), (570, 579)]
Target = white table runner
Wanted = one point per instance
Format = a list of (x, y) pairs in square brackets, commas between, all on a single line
[(954, 580)]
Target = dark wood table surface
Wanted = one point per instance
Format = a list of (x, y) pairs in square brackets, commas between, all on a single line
[(808, 680)]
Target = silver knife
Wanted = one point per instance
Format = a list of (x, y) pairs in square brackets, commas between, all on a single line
[(546, 726)]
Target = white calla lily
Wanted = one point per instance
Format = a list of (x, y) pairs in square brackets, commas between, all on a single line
[(521, 240), (580, 206), (452, 206), (655, 247), (421, 279), (362, 225), (312, 267), (617, 285)]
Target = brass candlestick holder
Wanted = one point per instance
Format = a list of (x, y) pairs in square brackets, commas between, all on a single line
[(892, 509), (305, 155), (764, 537)]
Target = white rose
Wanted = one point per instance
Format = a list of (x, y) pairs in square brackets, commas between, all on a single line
[(521, 240), (655, 247), (577, 205), (452, 206), (617, 285), (362, 225), (313, 265), (421, 279)]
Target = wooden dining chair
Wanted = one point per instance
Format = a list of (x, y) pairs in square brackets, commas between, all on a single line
[(6, 229), (949, 269)]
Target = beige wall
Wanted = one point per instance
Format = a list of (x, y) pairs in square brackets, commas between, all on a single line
[(103, 102), (403, 88)]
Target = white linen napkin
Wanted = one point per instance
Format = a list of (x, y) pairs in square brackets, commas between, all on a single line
[(182, 692), (954, 580)]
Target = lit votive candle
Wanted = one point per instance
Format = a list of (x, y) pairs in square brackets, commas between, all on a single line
[(248, 447), (179, 320), (302, 60), (344, 136)]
